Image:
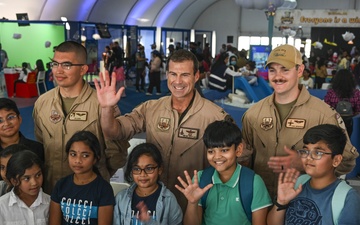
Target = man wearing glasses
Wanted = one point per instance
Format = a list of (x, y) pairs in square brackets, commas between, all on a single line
[(70, 107), (273, 128)]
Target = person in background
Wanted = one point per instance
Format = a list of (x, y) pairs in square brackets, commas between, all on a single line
[(223, 142), (71, 107), (4, 59), (174, 124), (26, 203), (320, 73), (273, 127), (154, 73), (249, 72), (49, 77), (171, 50), (220, 73), (344, 88), (39, 66), (178, 46), (107, 57), (232, 63), (10, 122), (140, 65), (306, 79), (147, 202), (88, 192), (311, 202), (120, 77), (23, 75)]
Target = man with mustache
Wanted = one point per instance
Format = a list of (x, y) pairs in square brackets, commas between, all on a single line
[(274, 127)]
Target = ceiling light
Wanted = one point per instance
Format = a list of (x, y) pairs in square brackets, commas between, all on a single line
[(63, 18)]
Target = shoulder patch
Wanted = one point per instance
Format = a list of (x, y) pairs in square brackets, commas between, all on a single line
[(340, 121)]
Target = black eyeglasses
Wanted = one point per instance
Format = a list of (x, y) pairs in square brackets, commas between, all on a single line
[(64, 65), (147, 170), (9, 118), (314, 154)]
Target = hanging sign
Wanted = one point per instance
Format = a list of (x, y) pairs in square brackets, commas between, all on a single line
[(317, 18)]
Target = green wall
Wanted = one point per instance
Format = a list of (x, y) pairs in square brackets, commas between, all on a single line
[(31, 45)]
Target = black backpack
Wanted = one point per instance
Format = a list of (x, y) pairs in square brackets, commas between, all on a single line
[(344, 108)]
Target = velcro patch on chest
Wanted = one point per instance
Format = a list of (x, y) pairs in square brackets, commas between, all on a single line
[(163, 124), (55, 117), (78, 116), (189, 133), (295, 123), (267, 123)]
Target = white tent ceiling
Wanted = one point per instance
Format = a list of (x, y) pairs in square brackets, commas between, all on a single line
[(164, 13)]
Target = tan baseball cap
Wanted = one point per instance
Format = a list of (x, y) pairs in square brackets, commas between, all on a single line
[(285, 55)]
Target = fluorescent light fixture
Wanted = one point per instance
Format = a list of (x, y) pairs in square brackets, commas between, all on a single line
[(143, 20)]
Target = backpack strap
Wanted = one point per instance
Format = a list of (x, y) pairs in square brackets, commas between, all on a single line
[(302, 179), (246, 188), (205, 179), (338, 200)]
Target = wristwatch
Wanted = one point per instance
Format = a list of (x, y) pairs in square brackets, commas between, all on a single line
[(279, 206)]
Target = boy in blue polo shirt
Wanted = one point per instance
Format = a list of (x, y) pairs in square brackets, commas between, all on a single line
[(224, 202), (317, 197)]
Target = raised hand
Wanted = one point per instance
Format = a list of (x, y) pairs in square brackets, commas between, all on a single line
[(286, 186), (106, 90), (279, 164), (190, 189)]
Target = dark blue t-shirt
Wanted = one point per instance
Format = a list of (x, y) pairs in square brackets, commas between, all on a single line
[(80, 203)]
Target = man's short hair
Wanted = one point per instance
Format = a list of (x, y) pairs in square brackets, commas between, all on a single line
[(182, 55), (222, 134), (72, 46), (9, 105), (333, 136)]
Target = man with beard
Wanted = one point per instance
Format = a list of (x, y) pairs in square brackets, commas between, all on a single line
[(273, 128)]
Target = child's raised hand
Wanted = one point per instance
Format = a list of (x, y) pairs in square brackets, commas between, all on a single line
[(286, 186), (190, 189)]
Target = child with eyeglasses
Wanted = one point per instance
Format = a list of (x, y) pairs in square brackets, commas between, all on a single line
[(147, 200), (317, 197)]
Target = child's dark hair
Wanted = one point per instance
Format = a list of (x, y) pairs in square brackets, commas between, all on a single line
[(12, 149), (9, 105), (90, 140), (333, 136), (142, 149), (24, 66), (308, 71), (222, 134), (19, 163)]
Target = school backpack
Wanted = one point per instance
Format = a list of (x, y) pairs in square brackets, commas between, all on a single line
[(245, 184), (344, 108), (338, 199)]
